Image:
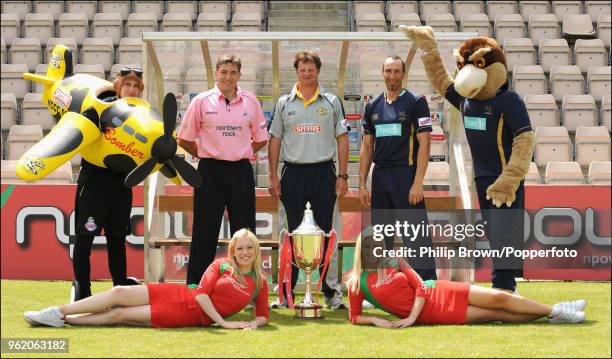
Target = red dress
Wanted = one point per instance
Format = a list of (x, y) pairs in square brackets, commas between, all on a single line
[(445, 301), (174, 305)]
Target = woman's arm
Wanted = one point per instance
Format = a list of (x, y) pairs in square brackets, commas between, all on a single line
[(210, 310), (417, 307), (379, 322), (258, 322)]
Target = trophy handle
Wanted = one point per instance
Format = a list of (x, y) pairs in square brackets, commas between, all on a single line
[(284, 272), (330, 249)]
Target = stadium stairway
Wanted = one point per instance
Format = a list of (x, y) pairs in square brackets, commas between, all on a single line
[(308, 16)]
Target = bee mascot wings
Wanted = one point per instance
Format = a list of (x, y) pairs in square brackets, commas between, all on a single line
[(482, 77), (127, 135)]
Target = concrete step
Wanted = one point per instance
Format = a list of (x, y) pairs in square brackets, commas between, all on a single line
[(310, 22), (307, 13), (308, 5)]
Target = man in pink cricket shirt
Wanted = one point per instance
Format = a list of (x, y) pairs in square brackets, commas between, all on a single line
[(223, 127)]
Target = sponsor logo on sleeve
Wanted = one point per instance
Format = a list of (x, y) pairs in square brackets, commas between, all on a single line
[(90, 225), (424, 121)]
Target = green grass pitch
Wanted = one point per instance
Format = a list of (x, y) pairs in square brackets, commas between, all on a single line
[(330, 337)]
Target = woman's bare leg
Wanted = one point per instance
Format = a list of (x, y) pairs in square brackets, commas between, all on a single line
[(135, 315), (120, 296), (484, 315), (495, 299)]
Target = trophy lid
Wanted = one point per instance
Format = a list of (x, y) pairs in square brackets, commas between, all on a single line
[(308, 225)]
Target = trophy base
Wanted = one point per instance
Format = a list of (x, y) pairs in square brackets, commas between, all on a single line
[(308, 312)]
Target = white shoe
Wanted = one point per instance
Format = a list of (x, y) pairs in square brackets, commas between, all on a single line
[(335, 302), (51, 317), (278, 304), (366, 305), (567, 316), (576, 305)]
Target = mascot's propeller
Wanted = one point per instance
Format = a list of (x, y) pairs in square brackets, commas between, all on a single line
[(164, 152)]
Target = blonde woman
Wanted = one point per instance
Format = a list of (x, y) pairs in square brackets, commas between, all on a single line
[(393, 286), (227, 287)]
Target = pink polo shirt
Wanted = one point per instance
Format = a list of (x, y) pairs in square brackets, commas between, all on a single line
[(224, 131)]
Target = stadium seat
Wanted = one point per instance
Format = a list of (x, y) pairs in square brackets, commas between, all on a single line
[(437, 174), (20, 8), (9, 110), (592, 144), (89, 8), (429, 8), (563, 173), (130, 50), (41, 69), (543, 26), (530, 8), (606, 112), (223, 7), (368, 7), (176, 22), (543, 110), (140, 22), (598, 81), (13, 81), (441, 22), (577, 26), (10, 27), (70, 42), (35, 112), (566, 80), (439, 146), (404, 19), (552, 144), (590, 53), (39, 25), (73, 25), (495, 8), (599, 173), (519, 52), (247, 7), (578, 110), (26, 50), (402, 7), (529, 80), (156, 7), (509, 26), (3, 54), (211, 22), (554, 52), (98, 50), (461, 8), (195, 80), (189, 7), (21, 138), (62, 175), (107, 25), (246, 21), (604, 25), (596, 8), (371, 22), (533, 175), (93, 69), (560, 8), (118, 7), (476, 23), (55, 8)]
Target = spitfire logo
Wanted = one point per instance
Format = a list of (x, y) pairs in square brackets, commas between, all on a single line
[(55, 60), (35, 165)]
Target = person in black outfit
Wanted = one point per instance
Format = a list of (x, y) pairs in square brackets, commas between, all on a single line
[(103, 201)]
